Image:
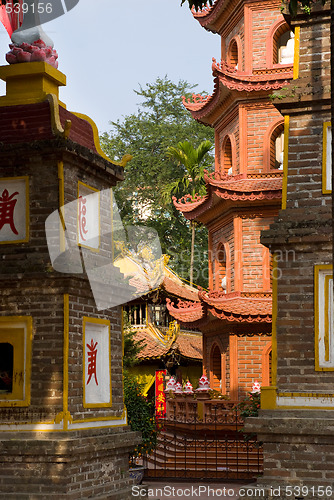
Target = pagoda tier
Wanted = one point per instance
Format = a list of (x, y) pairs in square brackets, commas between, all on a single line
[(235, 307), (231, 85), (238, 188)]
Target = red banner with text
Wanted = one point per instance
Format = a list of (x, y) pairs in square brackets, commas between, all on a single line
[(160, 397)]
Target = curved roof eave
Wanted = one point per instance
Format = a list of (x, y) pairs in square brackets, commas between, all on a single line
[(208, 15)]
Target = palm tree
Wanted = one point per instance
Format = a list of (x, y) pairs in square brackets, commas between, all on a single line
[(192, 182)]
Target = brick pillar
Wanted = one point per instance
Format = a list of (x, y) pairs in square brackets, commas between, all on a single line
[(63, 430), (297, 411)]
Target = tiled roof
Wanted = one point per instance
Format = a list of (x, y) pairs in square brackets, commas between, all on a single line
[(236, 307), (153, 348), (188, 344), (239, 306), (247, 184), (175, 287), (241, 187)]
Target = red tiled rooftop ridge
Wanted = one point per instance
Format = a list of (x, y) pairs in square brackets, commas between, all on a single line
[(241, 187), (235, 307), (227, 78), (188, 344)]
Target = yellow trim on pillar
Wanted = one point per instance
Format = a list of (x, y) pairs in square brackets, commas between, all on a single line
[(296, 53), (325, 172), (268, 398), (67, 416), (30, 83), (274, 319), (285, 161)]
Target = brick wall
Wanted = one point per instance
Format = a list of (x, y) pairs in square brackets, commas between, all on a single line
[(223, 234), (250, 350), (232, 129), (253, 256), (86, 464), (261, 23), (239, 31), (249, 360), (260, 117)]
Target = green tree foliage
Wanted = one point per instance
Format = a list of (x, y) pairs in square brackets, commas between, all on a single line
[(160, 122), (131, 346), (140, 410), (192, 182)]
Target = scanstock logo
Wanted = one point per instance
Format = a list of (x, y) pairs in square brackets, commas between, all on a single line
[(37, 11), (87, 238)]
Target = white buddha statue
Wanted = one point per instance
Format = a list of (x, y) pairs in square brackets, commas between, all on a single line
[(287, 51)]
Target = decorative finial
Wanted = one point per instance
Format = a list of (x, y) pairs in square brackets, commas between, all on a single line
[(256, 387)]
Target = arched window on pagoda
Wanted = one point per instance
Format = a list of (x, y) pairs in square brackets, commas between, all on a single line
[(277, 148), (216, 368), (283, 45), (233, 54), (221, 268), (226, 159)]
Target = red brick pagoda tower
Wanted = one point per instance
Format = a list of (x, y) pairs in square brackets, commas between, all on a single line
[(243, 193)]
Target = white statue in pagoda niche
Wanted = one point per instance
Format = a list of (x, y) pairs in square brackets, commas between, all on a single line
[(287, 49), (30, 42)]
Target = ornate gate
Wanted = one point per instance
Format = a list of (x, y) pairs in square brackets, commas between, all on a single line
[(209, 447)]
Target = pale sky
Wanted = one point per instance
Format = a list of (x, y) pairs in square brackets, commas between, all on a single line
[(107, 48)]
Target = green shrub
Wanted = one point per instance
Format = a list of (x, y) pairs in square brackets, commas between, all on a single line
[(140, 417), (250, 406)]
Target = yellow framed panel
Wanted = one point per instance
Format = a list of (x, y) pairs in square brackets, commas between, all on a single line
[(327, 158), (17, 331), (86, 190), (20, 224), (323, 317), (97, 387)]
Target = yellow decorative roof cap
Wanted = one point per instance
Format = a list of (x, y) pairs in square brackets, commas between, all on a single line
[(31, 82)]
